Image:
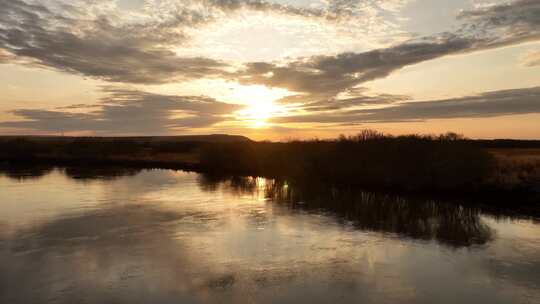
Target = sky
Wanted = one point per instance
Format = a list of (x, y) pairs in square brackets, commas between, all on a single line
[(277, 70)]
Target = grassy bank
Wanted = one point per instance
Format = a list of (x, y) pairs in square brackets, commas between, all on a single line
[(413, 163)]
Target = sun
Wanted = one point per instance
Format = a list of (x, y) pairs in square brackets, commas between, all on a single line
[(257, 114), (260, 104)]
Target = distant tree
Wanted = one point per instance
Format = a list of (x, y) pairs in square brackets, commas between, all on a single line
[(368, 134), (451, 136)]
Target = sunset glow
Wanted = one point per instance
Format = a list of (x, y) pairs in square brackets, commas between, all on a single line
[(269, 151), (146, 67), (260, 105)]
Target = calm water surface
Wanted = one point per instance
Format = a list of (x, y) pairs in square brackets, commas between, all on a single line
[(160, 236)]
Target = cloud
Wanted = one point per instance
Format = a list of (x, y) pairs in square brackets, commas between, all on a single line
[(98, 46), (5, 57), (258, 5), (332, 10), (125, 111), (504, 24), (531, 59), (330, 75), (96, 39), (484, 28), (333, 104), (490, 104)]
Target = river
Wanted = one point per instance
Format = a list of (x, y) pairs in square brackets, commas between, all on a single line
[(111, 235)]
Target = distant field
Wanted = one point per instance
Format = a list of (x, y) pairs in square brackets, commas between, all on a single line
[(517, 154), (517, 166)]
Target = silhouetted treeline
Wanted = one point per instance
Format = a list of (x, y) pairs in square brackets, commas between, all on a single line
[(103, 147), (370, 159), (23, 147), (169, 152)]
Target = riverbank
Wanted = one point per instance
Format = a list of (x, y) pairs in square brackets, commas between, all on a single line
[(445, 164)]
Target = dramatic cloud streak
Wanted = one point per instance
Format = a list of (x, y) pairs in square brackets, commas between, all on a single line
[(128, 112), (97, 46), (93, 39), (490, 104), (106, 45), (486, 28), (362, 99), (330, 75)]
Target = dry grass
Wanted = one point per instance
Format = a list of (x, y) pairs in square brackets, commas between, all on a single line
[(517, 154), (517, 166)]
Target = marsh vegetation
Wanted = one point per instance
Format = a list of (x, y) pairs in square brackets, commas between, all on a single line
[(447, 163)]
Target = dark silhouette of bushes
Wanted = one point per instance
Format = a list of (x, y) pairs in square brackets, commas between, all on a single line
[(370, 159), (22, 148), (90, 148)]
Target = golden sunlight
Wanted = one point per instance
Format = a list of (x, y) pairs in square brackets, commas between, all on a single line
[(258, 113), (261, 106), (256, 93)]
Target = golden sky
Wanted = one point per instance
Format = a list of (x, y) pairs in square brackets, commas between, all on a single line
[(270, 69)]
